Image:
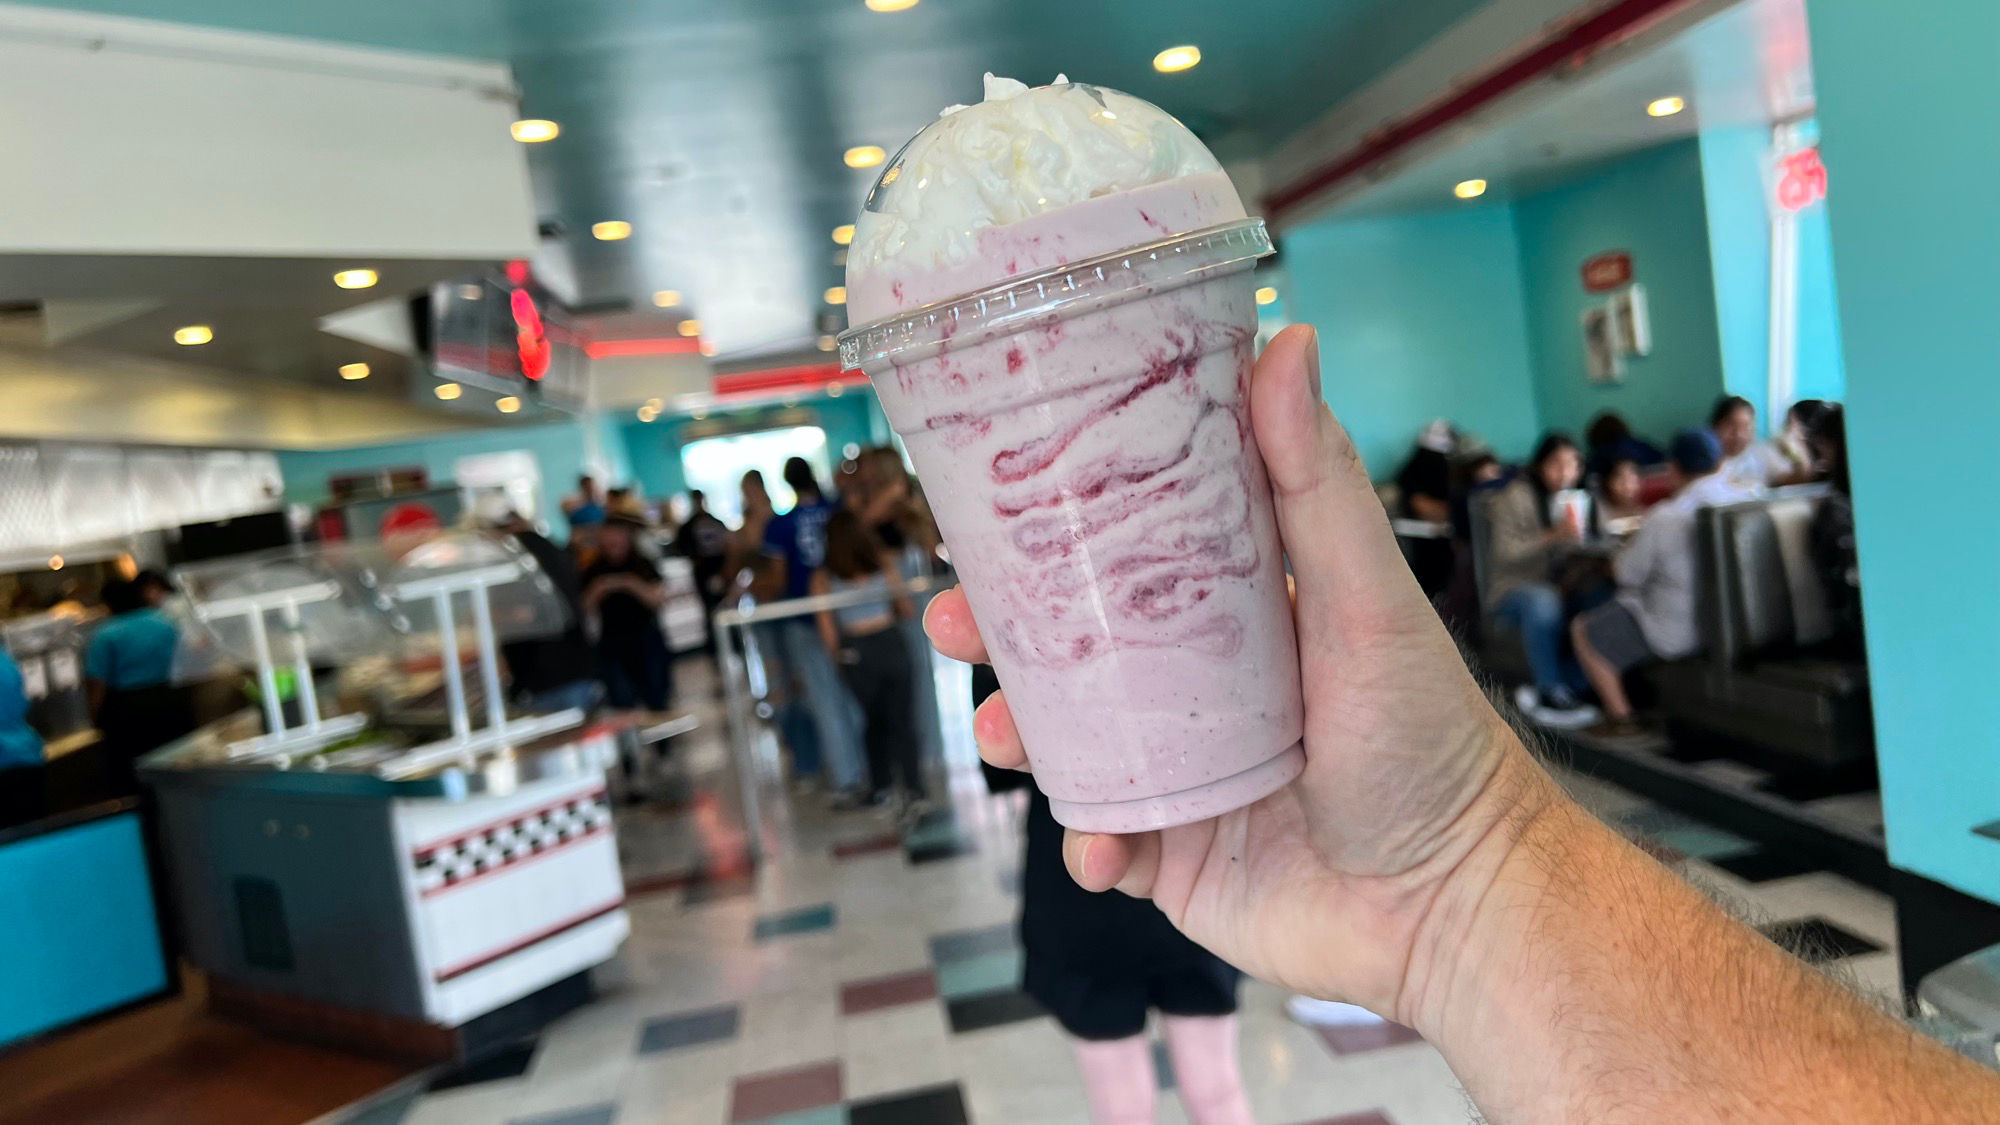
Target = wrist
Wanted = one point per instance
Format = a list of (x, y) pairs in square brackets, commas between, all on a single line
[(1507, 827)]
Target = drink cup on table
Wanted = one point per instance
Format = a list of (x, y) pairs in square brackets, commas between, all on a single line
[(1056, 307)]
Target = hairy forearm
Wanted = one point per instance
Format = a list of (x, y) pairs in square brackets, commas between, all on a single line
[(1644, 1002)]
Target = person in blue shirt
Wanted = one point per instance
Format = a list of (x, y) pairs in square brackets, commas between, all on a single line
[(128, 670), (21, 774), (794, 550)]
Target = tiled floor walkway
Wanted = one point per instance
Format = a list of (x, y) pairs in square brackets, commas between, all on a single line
[(858, 977)]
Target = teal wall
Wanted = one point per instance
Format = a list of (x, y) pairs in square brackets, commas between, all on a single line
[(1916, 237), (1419, 317), (559, 446), (1822, 358), (653, 449), (1649, 204)]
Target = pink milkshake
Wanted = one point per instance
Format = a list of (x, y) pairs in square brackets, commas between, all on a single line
[(1062, 333)]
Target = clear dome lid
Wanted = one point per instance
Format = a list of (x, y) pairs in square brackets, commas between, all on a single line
[(252, 606), (523, 600)]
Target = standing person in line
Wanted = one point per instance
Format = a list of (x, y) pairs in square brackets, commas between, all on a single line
[(704, 542), (744, 574), (1426, 866), (795, 547), (873, 657), (586, 506), (624, 589), (558, 672), (1524, 539), (23, 776), (128, 672), (1653, 616), (893, 509)]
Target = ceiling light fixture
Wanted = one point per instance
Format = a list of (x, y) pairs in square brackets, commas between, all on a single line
[(863, 156), (353, 371), (193, 334), (447, 391), (1267, 295), (689, 328), (835, 390), (1173, 60), (843, 234), (667, 298), (507, 404), (55, 562), (828, 343), (471, 291), (698, 415), (648, 413), (837, 295), (355, 279), (889, 5), (1469, 189), (707, 348), (611, 230), (534, 130), (1665, 107)]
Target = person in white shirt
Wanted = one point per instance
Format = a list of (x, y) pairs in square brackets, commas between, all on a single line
[(1762, 464), (1653, 616)]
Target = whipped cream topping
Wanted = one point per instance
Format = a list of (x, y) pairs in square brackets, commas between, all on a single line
[(1022, 151)]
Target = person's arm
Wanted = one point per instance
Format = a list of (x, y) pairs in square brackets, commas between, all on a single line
[(1426, 507), (97, 660), (650, 588), (829, 629), (1634, 563), (899, 595), (1518, 536)]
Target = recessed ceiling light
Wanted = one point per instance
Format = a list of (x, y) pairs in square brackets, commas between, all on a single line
[(654, 404), (828, 343), (690, 328), (1469, 189), (1665, 107), (843, 234), (698, 415), (667, 298), (889, 5), (835, 390), (648, 413), (55, 562), (707, 348), (837, 295), (447, 391), (864, 156), (1173, 60), (353, 371), (471, 291), (355, 279), (791, 400), (507, 405), (1267, 295), (534, 130), (193, 334), (611, 230)]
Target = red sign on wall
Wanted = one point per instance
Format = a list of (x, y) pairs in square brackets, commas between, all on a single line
[(1801, 180), (1607, 271)]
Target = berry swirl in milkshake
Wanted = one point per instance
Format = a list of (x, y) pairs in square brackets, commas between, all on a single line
[(1057, 313)]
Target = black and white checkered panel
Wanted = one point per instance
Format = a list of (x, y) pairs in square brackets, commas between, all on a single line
[(511, 842)]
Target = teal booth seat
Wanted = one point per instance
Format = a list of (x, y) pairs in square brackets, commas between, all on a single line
[(80, 934)]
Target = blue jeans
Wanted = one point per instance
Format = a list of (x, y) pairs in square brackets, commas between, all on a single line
[(1536, 611), (836, 718), (582, 695)]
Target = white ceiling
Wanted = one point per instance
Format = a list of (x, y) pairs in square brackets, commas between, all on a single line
[(1749, 64)]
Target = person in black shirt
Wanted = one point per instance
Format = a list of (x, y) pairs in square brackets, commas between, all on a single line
[(1832, 531), (704, 541), (552, 673), (624, 589)]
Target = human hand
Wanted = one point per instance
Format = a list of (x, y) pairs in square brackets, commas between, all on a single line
[(1357, 881)]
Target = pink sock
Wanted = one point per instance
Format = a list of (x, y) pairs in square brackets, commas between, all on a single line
[(1204, 1053), (1118, 1079)]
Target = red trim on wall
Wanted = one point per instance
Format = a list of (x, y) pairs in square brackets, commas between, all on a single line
[(536, 938), (658, 345), (1566, 44), (809, 376)]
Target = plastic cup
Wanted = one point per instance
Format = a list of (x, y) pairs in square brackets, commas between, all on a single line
[(1083, 437)]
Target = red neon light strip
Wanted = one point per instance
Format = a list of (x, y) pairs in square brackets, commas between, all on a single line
[(668, 345), (1612, 24), (807, 376), (536, 938)]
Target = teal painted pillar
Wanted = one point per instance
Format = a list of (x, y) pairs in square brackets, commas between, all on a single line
[(1916, 240)]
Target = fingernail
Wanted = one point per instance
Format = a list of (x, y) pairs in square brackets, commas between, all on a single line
[(1312, 364)]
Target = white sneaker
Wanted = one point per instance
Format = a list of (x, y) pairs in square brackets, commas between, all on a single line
[(1566, 718), (1526, 699), (1329, 1013)]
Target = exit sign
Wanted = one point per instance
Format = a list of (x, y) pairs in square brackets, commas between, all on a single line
[(1607, 271)]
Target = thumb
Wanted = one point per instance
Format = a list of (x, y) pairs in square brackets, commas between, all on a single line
[(1335, 530)]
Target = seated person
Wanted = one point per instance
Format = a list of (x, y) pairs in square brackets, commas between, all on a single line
[(1759, 464), (1520, 590), (1618, 504), (1832, 532), (1611, 441), (1653, 616), (1425, 487)]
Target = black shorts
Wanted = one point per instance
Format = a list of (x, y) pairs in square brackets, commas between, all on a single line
[(1114, 1007), (1615, 634)]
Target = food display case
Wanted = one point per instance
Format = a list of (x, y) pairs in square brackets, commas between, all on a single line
[(380, 834)]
